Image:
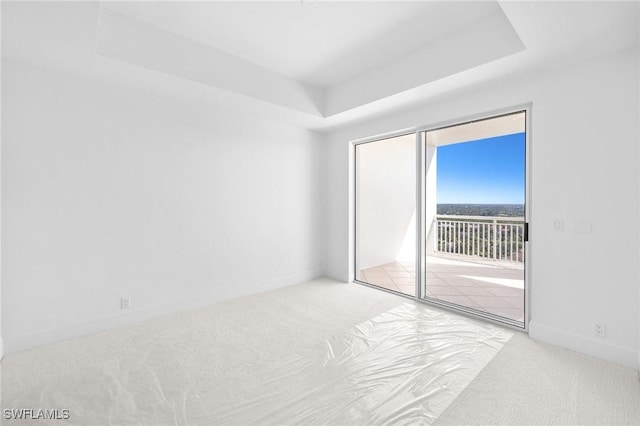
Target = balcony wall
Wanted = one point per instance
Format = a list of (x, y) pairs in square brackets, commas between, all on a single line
[(386, 201)]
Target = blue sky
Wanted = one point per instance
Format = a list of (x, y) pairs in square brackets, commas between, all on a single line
[(486, 171)]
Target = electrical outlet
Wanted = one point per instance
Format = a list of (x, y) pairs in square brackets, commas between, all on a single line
[(125, 302), (558, 225), (600, 330)]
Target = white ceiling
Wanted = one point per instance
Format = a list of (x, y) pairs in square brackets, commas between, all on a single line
[(318, 64), (321, 44)]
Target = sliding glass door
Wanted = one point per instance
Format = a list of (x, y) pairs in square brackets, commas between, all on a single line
[(468, 215)]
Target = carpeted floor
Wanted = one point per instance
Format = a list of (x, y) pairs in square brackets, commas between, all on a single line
[(215, 365), (532, 383)]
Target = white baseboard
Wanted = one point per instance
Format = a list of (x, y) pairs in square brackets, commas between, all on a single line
[(58, 334), (597, 349)]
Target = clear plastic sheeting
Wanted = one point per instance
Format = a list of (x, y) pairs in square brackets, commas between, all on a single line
[(261, 361), (404, 366)]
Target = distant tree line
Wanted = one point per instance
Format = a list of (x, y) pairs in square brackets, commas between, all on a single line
[(499, 210)]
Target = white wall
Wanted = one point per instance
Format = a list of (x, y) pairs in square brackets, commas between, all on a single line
[(1, 333), (584, 149), (386, 200), (110, 192)]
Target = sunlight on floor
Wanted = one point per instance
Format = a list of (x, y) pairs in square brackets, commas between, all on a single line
[(496, 288)]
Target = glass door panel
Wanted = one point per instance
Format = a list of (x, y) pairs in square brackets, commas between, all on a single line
[(474, 217), (385, 213)]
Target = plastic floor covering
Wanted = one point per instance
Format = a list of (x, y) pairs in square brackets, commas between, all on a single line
[(404, 366)]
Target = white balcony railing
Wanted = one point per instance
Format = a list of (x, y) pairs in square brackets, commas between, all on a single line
[(489, 238)]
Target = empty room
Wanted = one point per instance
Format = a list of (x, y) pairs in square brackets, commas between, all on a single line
[(320, 212)]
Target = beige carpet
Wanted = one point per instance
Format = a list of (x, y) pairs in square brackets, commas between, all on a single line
[(402, 367), (146, 373), (315, 353), (111, 377), (531, 383)]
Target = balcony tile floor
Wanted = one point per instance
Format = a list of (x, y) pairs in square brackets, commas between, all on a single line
[(495, 288)]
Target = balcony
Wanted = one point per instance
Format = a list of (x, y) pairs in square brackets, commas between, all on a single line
[(480, 237), (473, 261)]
